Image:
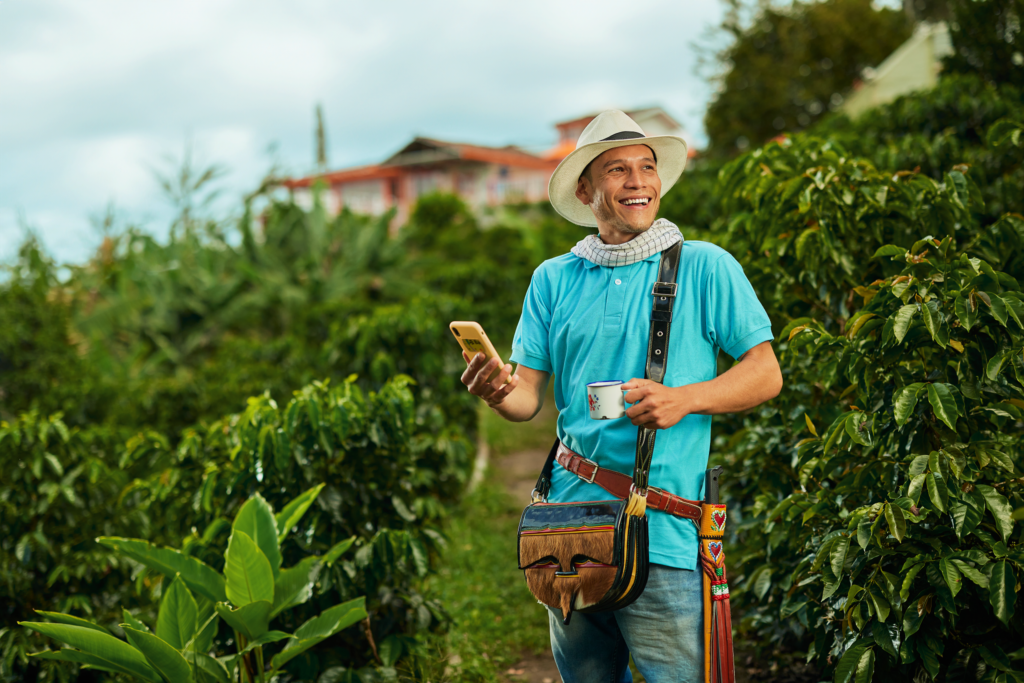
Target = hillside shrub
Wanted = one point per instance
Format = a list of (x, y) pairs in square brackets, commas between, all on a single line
[(876, 493), (58, 492)]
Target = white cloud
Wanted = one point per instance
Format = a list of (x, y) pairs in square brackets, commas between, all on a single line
[(92, 95)]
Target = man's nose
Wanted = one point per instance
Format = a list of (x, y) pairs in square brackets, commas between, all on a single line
[(635, 178)]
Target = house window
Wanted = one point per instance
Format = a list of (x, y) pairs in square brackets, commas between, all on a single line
[(503, 172)]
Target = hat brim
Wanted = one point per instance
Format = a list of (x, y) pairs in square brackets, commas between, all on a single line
[(669, 149)]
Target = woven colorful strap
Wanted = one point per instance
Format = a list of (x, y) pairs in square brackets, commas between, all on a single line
[(717, 619)]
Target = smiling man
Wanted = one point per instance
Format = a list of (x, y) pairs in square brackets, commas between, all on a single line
[(586, 318)]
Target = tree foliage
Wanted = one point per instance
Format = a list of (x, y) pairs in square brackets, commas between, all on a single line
[(988, 40), (787, 67)]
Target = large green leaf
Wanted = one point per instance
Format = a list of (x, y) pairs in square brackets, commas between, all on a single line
[(69, 619), (101, 645), (251, 620), (903, 405), (999, 507), (902, 319), (198, 576), (866, 667), (951, 575), (896, 520), (943, 403), (995, 364), (339, 548), (294, 585), (161, 655), (247, 570), (83, 658), (209, 668), (256, 519), (938, 493), (965, 518), (1002, 587), (936, 324), (848, 663), (287, 518), (319, 628), (837, 557), (966, 312), (177, 621)]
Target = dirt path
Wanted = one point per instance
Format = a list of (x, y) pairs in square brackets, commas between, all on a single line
[(519, 472)]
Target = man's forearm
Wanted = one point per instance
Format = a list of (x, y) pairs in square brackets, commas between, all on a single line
[(519, 406), (749, 383)]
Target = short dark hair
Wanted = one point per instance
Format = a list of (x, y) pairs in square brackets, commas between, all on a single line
[(586, 169)]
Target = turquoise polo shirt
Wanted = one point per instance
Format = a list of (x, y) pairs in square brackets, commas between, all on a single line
[(586, 323)]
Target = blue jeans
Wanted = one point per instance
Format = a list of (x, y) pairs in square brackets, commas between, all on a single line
[(662, 629)]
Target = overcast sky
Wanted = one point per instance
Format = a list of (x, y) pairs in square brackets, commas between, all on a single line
[(94, 95)]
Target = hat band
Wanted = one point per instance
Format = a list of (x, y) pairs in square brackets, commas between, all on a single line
[(624, 135)]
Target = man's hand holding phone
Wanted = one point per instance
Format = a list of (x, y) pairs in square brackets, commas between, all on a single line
[(478, 369)]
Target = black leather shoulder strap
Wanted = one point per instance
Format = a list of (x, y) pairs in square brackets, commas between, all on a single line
[(664, 293)]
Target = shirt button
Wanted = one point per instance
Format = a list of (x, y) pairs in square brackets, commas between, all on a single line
[(618, 282)]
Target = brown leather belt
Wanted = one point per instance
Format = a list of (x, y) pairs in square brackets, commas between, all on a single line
[(619, 484)]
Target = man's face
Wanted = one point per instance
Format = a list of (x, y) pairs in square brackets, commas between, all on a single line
[(623, 189)]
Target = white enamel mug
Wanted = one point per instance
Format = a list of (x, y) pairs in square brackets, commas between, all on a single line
[(605, 399)]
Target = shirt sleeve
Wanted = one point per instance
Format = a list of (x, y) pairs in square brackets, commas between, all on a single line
[(530, 346), (736, 319)]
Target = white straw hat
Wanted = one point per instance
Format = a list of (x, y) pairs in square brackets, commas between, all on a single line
[(608, 130)]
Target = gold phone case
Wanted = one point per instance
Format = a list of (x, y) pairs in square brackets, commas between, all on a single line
[(473, 340)]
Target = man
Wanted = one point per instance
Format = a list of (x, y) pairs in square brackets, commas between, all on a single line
[(586, 318)]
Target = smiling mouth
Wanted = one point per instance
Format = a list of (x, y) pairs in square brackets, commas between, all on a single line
[(636, 201)]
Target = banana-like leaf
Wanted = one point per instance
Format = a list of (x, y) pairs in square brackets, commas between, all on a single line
[(266, 639), (256, 519), (68, 619), (287, 518), (294, 585), (177, 622), (320, 628), (83, 658), (161, 655), (247, 570), (332, 555), (132, 621), (98, 644), (198, 576), (207, 668), (250, 620)]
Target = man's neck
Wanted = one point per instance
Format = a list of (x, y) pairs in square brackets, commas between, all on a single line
[(614, 236)]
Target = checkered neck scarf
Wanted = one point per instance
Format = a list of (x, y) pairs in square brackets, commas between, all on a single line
[(660, 236)]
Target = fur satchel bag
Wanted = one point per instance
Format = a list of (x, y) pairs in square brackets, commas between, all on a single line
[(593, 556)]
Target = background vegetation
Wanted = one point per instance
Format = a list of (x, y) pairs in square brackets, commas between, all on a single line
[(150, 392)]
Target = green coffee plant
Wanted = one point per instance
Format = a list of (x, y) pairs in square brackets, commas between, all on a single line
[(388, 468), (250, 593), (816, 555), (59, 491), (902, 529)]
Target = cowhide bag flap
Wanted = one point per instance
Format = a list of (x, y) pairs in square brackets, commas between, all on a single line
[(593, 556)]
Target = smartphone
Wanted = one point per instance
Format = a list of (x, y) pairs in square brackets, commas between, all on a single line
[(473, 340)]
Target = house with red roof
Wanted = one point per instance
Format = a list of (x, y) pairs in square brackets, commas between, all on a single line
[(481, 176)]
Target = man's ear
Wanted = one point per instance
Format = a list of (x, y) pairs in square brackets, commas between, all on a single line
[(583, 190)]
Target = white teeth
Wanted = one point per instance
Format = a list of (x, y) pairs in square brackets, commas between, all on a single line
[(635, 201)]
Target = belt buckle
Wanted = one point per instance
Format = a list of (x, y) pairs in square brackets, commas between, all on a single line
[(593, 474)]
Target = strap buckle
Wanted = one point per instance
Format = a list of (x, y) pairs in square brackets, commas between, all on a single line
[(664, 289), (593, 475), (536, 497)]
